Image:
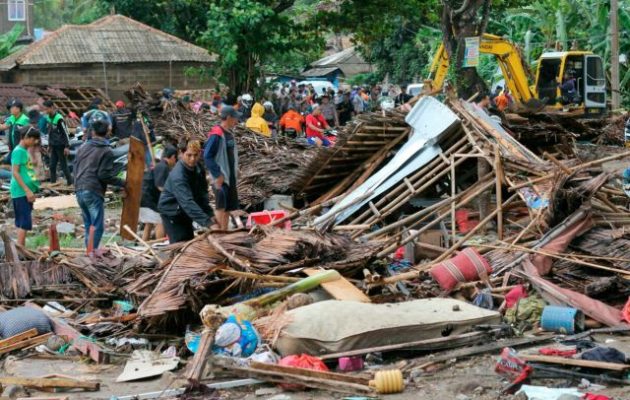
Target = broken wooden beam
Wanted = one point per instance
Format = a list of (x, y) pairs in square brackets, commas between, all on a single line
[(51, 383)]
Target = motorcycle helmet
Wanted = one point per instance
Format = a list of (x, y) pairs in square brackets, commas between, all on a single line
[(15, 103), (247, 100), (268, 105)]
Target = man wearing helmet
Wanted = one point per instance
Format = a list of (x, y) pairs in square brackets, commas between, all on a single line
[(96, 112), (16, 120), (245, 107)]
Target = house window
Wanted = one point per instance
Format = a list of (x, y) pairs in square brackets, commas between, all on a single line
[(17, 10)]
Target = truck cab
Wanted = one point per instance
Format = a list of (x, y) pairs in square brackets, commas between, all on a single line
[(586, 68)]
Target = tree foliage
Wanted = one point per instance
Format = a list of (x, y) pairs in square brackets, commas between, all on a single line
[(9, 39), (52, 14)]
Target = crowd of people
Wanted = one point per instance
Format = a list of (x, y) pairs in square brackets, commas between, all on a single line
[(175, 194)]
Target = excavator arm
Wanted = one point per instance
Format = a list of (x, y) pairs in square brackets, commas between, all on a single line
[(509, 61)]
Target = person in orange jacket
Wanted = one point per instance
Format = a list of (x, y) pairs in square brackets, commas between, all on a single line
[(291, 122)]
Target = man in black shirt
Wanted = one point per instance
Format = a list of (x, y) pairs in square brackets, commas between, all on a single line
[(122, 120), (344, 109), (58, 142), (152, 185)]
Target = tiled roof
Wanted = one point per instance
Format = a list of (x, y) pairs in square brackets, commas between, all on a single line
[(113, 39)]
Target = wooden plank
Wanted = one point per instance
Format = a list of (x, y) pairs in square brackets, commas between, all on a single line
[(56, 202), (574, 362), (333, 376), (79, 342), (18, 338), (198, 365), (50, 383), (26, 343), (133, 187), (341, 289)]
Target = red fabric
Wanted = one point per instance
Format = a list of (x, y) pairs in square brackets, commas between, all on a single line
[(303, 361), (461, 268), (559, 245), (556, 295), (513, 296), (317, 121), (216, 130), (626, 311), (547, 351), (591, 396)]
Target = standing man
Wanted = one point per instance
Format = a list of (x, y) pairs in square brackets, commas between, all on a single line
[(185, 196), (96, 112), (403, 97), (329, 111), (58, 142), (152, 186), (24, 183), (121, 121), (93, 171), (221, 159), (344, 109), (16, 120)]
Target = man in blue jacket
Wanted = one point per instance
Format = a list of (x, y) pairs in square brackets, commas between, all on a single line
[(221, 159)]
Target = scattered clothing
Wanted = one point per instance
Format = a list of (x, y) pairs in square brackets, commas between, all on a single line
[(605, 354), (256, 122)]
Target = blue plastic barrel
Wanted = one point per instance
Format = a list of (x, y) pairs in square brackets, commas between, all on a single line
[(564, 320)]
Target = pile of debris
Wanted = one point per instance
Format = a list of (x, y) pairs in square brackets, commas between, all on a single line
[(267, 166), (428, 229)]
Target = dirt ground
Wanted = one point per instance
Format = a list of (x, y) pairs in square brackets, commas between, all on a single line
[(472, 379)]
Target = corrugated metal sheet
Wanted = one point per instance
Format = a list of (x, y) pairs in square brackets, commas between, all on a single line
[(112, 39), (430, 120), (314, 72)]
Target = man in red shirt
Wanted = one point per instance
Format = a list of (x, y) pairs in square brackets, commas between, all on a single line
[(316, 125)]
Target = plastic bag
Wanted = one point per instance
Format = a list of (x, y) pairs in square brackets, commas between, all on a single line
[(303, 361)]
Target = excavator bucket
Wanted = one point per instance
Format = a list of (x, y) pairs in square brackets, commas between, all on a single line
[(531, 106)]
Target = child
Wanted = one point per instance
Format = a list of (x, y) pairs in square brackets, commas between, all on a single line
[(24, 183)]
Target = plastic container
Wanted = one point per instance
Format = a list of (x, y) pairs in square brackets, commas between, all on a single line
[(467, 266), (388, 382), (563, 320), (278, 202), (267, 217), (350, 364)]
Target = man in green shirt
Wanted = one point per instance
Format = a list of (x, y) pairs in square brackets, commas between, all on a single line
[(12, 124), (24, 183)]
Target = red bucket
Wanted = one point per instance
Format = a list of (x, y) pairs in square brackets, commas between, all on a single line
[(467, 266)]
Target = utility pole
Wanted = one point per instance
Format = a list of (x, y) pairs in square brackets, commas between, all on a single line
[(614, 55)]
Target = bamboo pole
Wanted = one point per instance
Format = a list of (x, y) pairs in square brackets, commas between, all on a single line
[(145, 244), (498, 171), (419, 268), (453, 194), (469, 197), (572, 169)]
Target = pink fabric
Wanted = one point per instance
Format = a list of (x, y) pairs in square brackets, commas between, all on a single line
[(558, 296), (559, 245), (513, 296)]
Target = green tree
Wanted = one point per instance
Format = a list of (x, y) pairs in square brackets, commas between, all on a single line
[(52, 14), (250, 35), (8, 40)]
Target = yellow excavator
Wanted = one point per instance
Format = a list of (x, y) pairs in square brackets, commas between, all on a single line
[(586, 67)]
